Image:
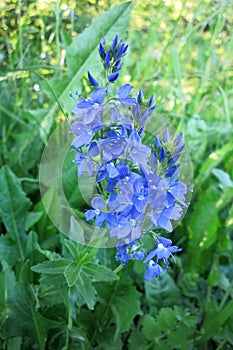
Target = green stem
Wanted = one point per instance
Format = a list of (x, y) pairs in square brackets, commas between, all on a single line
[(70, 321), (57, 32), (118, 268), (20, 33)]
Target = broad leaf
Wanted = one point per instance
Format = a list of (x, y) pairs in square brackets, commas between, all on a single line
[(125, 306), (54, 267), (24, 318), (99, 272), (162, 292), (13, 205), (72, 272)]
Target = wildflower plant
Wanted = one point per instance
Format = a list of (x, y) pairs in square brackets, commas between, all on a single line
[(140, 190)]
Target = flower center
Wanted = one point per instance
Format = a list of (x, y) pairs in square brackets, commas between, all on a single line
[(95, 105), (133, 222)]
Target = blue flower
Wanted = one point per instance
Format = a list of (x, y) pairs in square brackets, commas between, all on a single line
[(96, 99), (122, 253), (128, 230), (153, 270), (98, 204), (164, 250), (112, 148)]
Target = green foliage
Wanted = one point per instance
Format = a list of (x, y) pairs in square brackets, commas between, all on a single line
[(55, 293)]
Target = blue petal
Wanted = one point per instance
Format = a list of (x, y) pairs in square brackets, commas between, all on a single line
[(98, 202), (85, 104), (150, 256), (90, 214), (124, 90), (83, 139), (97, 96), (128, 101)]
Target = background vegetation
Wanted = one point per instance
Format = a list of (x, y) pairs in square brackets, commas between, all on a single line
[(56, 294)]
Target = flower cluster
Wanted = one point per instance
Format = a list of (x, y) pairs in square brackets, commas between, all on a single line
[(139, 187)]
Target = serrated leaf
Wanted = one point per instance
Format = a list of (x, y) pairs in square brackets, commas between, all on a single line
[(13, 205), (7, 283), (162, 292), (54, 267), (150, 328), (72, 247), (137, 340), (9, 250), (125, 306), (24, 318), (166, 318), (86, 289), (72, 272), (99, 272), (54, 293)]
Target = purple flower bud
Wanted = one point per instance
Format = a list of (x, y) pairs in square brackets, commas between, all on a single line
[(162, 154), (119, 52), (151, 100), (165, 135), (156, 142), (113, 77), (117, 66), (92, 80), (125, 49), (107, 59), (102, 51), (140, 97), (114, 43)]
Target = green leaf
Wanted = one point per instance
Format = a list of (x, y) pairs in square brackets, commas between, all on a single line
[(125, 306), (31, 219), (212, 162), (73, 248), (54, 267), (7, 283), (86, 289), (166, 318), (150, 328), (162, 292), (9, 250), (202, 228), (99, 272), (13, 205), (50, 201), (223, 177), (72, 272), (137, 340), (215, 323), (24, 318), (54, 293)]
